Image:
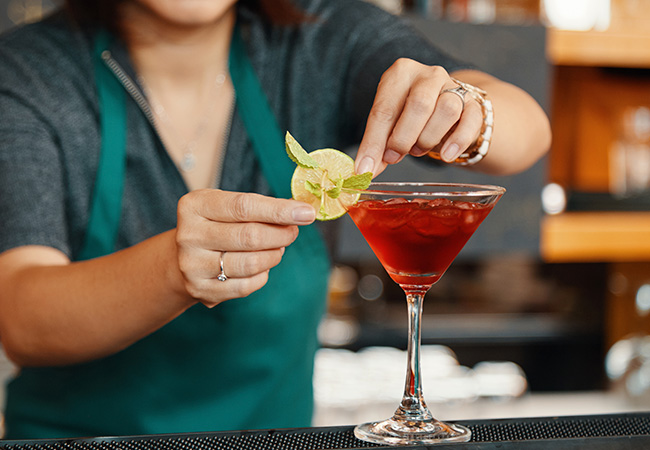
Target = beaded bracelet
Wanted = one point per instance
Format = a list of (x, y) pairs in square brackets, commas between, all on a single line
[(479, 148)]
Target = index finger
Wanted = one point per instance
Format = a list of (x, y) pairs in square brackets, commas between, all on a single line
[(386, 109), (233, 207)]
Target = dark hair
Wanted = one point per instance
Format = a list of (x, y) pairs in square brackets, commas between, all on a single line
[(104, 13)]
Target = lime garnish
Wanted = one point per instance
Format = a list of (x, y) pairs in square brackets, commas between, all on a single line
[(325, 179)]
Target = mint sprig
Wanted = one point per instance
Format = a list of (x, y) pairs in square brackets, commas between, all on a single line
[(314, 188), (336, 190), (358, 182), (298, 154)]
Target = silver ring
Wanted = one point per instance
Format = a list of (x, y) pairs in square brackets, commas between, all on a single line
[(459, 91), (222, 275)]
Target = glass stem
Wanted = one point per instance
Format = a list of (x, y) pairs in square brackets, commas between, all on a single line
[(413, 406)]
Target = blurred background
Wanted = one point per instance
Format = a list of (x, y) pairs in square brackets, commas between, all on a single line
[(545, 311)]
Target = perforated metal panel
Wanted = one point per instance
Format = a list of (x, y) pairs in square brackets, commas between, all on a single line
[(587, 430)]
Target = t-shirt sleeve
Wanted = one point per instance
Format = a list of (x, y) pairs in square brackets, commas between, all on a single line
[(366, 41), (375, 56), (32, 203)]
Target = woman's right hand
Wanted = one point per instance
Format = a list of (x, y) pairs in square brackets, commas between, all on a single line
[(250, 233)]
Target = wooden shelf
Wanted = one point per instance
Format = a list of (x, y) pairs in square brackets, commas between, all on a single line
[(611, 48), (596, 237), (625, 43)]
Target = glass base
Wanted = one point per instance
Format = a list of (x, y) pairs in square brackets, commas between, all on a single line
[(398, 432)]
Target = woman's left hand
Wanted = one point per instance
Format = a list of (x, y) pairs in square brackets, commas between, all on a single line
[(412, 114)]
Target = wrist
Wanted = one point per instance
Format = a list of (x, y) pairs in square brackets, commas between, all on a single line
[(173, 276)]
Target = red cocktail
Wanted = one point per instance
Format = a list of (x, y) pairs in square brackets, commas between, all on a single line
[(417, 239), (416, 230)]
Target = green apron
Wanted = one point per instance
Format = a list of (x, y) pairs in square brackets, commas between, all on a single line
[(245, 364)]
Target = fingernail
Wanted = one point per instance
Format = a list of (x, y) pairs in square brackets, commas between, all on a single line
[(450, 153), (303, 215), (391, 156), (367, 164), (417, 151)]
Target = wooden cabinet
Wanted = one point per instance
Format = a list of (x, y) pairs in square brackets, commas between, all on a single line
[(596, 77), (588, 104)]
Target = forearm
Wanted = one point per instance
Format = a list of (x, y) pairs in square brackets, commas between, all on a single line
[(522, 131), (55, 314)]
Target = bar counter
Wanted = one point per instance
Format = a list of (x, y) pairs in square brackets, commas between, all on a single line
[(615, 431)]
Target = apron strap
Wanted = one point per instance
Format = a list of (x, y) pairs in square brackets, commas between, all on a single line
[(106, 201), (264, 132), (259, 120)]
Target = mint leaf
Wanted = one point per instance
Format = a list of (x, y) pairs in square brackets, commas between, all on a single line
[(313, 188), (298, 154), (323, 211), (358, 182), (336, 190)]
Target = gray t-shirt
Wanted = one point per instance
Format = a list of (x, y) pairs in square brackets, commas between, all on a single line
[(320, 79)]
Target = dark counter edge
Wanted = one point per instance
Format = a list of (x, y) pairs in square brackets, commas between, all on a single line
[(623, 442)]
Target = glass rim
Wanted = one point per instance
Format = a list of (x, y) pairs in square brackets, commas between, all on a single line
[(478, 190)]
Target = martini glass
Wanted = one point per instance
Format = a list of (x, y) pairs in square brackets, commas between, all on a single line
[(416, 230)]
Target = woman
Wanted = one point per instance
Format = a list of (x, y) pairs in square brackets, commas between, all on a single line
[(116, 123)]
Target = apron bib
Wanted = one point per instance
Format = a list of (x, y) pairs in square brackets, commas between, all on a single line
[(245, 364)]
